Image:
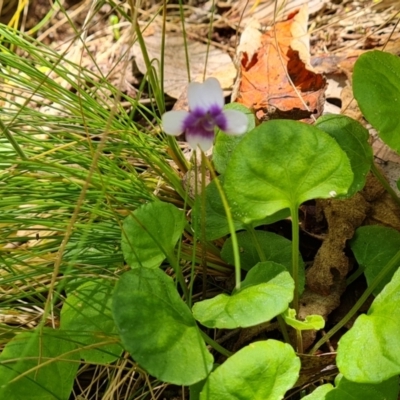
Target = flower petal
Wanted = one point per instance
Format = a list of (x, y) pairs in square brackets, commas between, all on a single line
[(199, 137), (236, 122), (173, 122), (205, 95)]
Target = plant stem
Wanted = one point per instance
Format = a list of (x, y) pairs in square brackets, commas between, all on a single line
[(295, 269), (181, 279), (256, 243), (354, 276), (232, 231), (203, 221), (215, 345), (395, 260), (295, 256), (384, 183), (299, 340), (283, 327)]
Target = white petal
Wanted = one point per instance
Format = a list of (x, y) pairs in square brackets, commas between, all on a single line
[(237, 122), (204, 142), (173, 122), (204, 95)]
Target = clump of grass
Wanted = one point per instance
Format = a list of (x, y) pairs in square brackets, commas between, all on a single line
[(77, 156)]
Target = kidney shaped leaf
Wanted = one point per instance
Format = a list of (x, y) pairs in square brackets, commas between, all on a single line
[(86, 316), (158, 329), (346, 390), (373, 247), (151, 233), (376, 87), (263, 370), (353, 139), (370, 352), (282, 163), (52, 360), (265, 293)]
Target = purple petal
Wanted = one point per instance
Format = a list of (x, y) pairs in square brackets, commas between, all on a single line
[(194, 118), (200, 137), (173, 122), (236, 122), (205, 95)]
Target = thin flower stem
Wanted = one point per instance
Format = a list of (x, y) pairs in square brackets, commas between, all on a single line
[(385, 183), (232, 231), (395, 261), (192, 268), (203, 222), (215, 345)]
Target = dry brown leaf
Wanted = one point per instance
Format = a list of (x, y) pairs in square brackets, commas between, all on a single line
[(301, 38), (331, 264), (274, 81), (263, 10), (312, 303), (384, 211), (218, 63)]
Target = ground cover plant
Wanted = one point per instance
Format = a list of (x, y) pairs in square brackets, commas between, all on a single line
[(133, 268)]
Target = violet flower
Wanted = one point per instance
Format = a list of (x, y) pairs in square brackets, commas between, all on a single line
[(206, 102)]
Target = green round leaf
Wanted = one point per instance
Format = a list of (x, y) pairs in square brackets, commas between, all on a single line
[(352, 137), (282, 163), (374, 246), (263, 370), (275, 248), (158, 329), (86, 317), (265, 293), (225, 144), (346, 390), (369, 352), (27, 351), (151, 233), (376, 87)]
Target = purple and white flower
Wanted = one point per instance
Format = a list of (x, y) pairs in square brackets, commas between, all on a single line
[(206, 102)]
